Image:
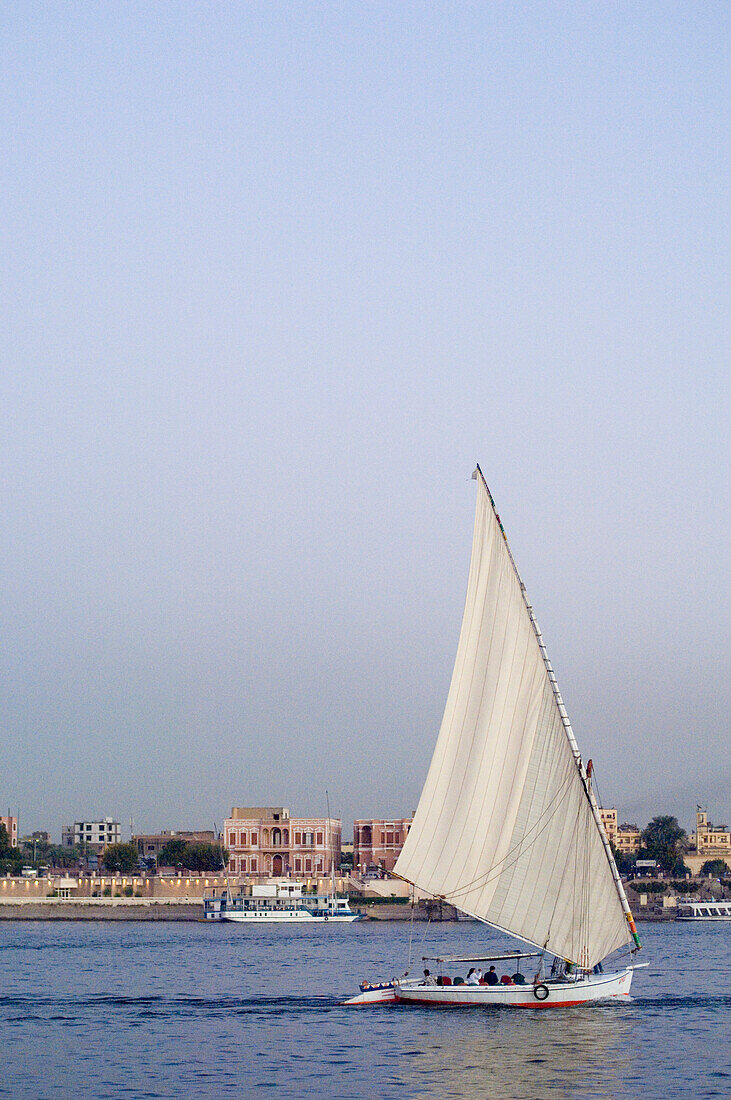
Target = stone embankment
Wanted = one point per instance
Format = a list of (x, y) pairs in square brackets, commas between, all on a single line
[(101, 909)]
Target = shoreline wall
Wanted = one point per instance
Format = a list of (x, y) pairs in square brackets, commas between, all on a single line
[(111, 909)]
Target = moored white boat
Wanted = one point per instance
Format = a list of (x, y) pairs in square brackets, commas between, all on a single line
[(508, 829), (704, 910), (276, 903)]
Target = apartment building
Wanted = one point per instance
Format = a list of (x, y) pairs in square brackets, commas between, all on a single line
[(93, 835), (11, 824)]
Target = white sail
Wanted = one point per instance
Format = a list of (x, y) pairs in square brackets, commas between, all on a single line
[(504, 829)]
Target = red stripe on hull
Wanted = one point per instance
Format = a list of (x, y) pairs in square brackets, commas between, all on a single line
[(507, 1004)]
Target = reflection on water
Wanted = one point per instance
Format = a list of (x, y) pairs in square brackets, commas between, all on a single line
[(580, 1052)]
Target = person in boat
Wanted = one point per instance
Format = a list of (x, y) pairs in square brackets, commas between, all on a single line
[(491, 977), (428, 979), (473, 978)]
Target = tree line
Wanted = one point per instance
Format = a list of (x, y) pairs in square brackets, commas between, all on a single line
[(183, 855), (665, 841)]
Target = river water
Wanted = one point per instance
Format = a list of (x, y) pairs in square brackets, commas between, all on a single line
[(193, 1010)]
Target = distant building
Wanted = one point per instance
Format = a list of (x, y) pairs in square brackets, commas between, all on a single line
[(629, 839), (377, 843), (11, 824), (149, 845), (609, 821), (712, 841), (264, 841), (94, 835)]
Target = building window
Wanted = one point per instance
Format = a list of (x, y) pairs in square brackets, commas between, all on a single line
[(389, 838), (298, 864), (308, 865), (383, 838), (254, 839), (243, 840), (243, 864), (233, 865), (308, 839), (298, 838), (253, 864)]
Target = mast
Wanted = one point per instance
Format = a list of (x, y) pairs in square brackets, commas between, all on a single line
[(567, 726), (330, 847)]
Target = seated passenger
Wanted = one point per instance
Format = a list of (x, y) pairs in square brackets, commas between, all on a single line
[(518, 978), (428, 980), (491, 977), (473, 977)]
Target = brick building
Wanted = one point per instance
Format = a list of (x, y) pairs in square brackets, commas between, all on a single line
[(377, 843), (11, 824), (265, 842)]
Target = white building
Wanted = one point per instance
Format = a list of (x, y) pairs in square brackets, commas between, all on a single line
[(94, 834)]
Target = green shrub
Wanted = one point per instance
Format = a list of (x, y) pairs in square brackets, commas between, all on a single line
[(107, 892), (651, 887)]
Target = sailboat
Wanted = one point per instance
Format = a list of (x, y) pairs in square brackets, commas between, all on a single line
[(508, 829)]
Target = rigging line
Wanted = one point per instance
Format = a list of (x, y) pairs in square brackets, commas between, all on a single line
[(560, 793), (488, 876), (498, 870), (428, 922), (411, 926)]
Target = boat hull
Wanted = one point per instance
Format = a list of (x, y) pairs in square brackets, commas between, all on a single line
[(384, 994), (298, 917), (548, 994)]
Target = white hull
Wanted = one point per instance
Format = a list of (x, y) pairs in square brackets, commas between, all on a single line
[(704, 910), (699, 920), (547, 994), (379, 995), (298, 917)]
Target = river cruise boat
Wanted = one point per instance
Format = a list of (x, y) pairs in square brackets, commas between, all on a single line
[(704, 910), (275, 903)]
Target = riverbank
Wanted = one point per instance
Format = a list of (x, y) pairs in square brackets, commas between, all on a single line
[(135, 909), (101, 909)]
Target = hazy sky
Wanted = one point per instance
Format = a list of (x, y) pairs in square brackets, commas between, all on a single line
[(274, 277)]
